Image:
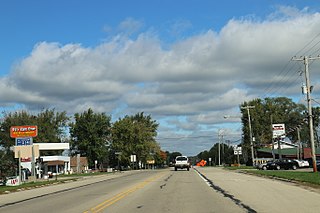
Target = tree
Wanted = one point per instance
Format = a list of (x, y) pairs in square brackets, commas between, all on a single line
[(172, 156), (8, 165), (90, 135), (268, 111), (135, 135), (13, 119), (226, 154), (51, 126)]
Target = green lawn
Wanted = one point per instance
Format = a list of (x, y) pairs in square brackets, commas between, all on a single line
[(29, 185), (300, 176)]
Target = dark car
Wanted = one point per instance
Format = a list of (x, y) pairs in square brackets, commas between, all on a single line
[(282, 164)]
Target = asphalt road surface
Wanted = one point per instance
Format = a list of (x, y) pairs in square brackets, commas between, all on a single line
[(195, 191)]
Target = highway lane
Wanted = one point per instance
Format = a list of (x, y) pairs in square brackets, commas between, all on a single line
[(176, 191), (141, 191)]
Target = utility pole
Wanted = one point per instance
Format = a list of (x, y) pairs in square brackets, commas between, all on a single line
[(219, 151), (308, 89), (299, 144), (273, 155), (250, 131)]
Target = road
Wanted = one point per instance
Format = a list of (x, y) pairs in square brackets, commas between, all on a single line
[(201, 190)]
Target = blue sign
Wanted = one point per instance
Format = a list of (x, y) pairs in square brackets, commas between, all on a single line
[(23, 141)]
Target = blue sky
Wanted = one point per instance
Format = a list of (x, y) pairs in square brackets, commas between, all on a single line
[(186, 63)]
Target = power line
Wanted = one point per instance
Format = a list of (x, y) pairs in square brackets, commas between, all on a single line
[(284, 74)]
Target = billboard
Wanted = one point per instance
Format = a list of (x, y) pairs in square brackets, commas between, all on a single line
[(278, 130), (23, 131)]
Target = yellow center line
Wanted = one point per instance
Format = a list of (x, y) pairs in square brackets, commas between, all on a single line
[(123, 194)]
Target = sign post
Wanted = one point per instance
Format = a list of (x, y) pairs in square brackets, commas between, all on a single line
[(23, 136), (237, 150), (278, 131)]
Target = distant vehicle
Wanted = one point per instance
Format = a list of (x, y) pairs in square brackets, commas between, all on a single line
[(302, 163), (182, 162), (282, 164)]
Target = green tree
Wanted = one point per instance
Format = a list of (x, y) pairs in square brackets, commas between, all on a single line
[(135, 135), (52, 128), (172, 156), (14, 119), (8, 165), (268, 111), (51, 125), (90, 135)]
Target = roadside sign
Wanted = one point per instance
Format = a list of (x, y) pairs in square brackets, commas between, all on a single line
[(23, 141), (133, 158), (26, 151), (13, 181), (150, 161), (23, 131), (278, 130), (237, 150)]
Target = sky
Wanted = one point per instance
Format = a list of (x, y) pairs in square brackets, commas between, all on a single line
[(186, 63)]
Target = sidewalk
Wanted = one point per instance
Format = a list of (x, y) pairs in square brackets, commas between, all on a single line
[(28, 193)]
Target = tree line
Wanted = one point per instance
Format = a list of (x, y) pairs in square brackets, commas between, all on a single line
[(264, 113), (90, 134)]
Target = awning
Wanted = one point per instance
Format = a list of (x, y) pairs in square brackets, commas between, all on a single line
[(56, 162)]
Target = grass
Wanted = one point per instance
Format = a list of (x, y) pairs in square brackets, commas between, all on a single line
[(51, 181), (30, 185), (303, 177)]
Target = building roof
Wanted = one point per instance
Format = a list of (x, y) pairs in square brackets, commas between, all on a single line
[(290, 151)]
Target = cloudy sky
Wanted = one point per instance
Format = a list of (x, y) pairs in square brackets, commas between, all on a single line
[(186, 63)]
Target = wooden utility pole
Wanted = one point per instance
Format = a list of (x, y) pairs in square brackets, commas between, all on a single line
[(250, 131), (308, 90)]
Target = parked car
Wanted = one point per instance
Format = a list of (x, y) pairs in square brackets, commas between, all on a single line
[(282, 164), (262, 166), (302, 163)]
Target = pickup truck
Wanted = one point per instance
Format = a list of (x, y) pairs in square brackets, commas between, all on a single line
[(182, 162)]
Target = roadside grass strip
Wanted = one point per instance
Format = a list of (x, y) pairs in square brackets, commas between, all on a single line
[(100, 207), (301, 177)]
